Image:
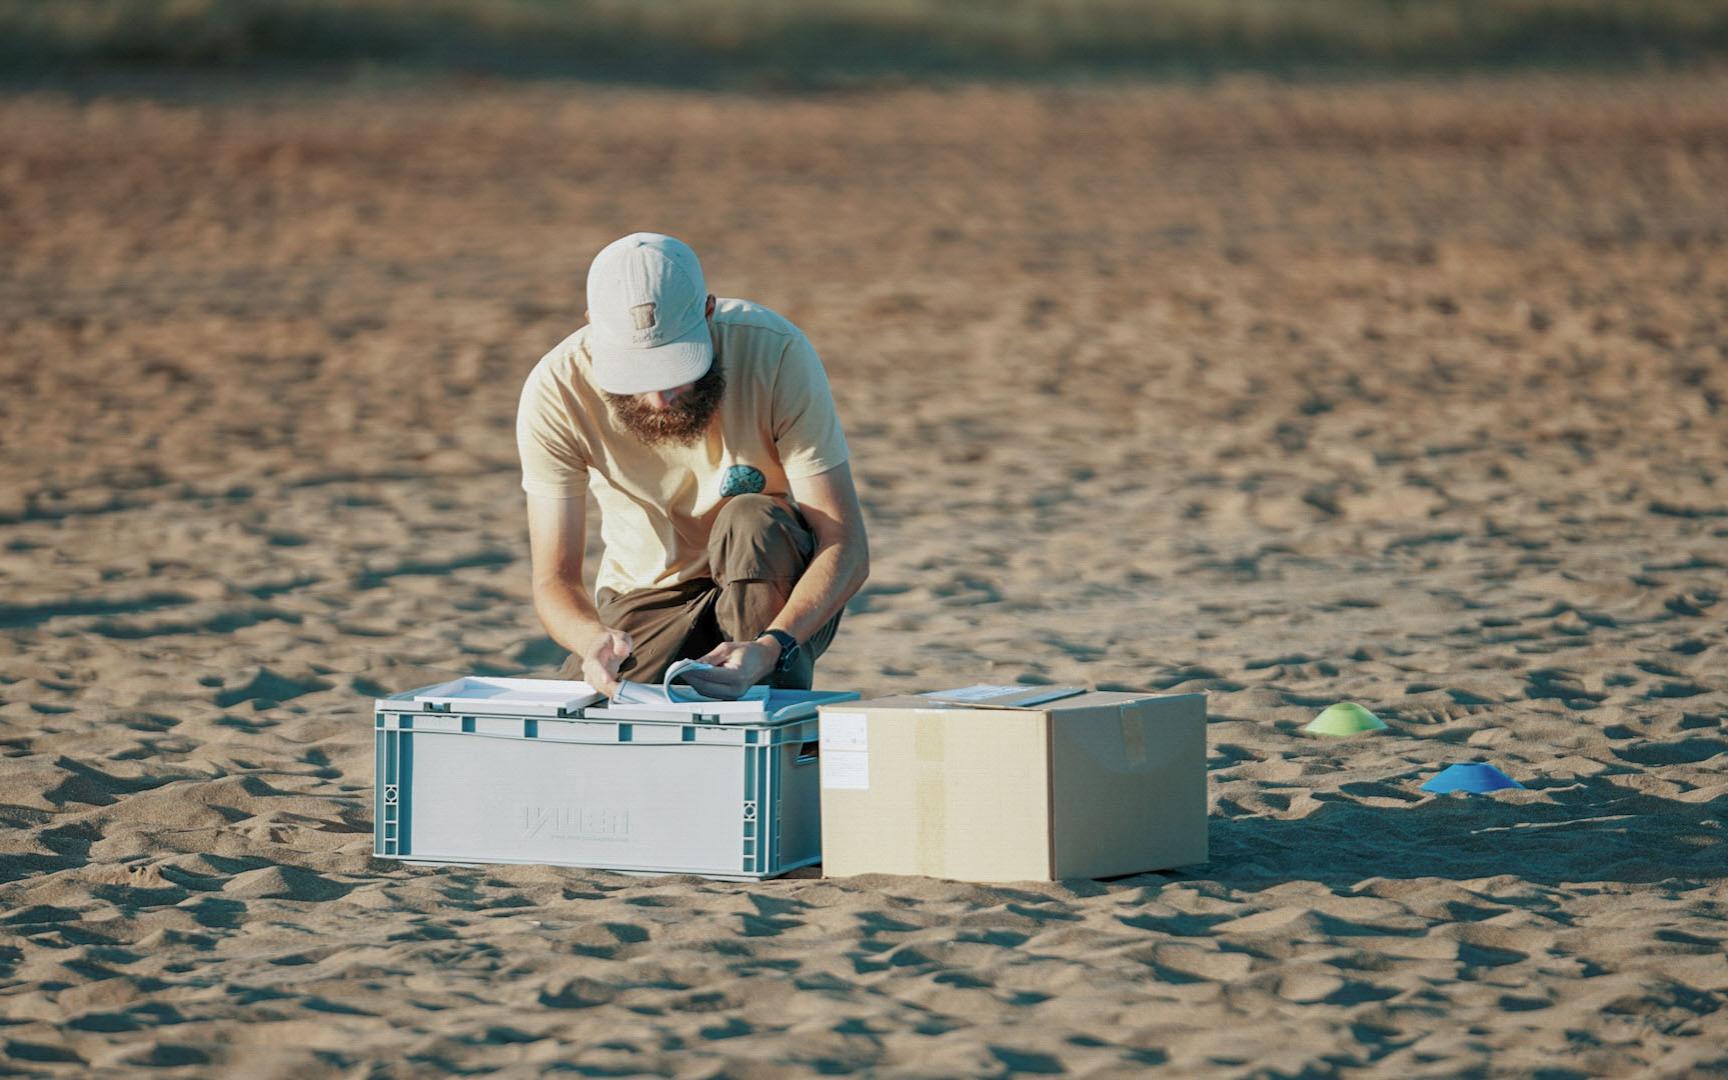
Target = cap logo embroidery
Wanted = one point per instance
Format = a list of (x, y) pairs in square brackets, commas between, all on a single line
[(644, 315)]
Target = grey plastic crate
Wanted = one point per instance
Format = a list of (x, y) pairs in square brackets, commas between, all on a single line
[(475, 782)]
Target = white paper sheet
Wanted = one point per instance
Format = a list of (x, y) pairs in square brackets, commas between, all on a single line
[(671, 692)]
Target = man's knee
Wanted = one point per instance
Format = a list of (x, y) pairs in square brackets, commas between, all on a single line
[(749, 514), (758, 538)]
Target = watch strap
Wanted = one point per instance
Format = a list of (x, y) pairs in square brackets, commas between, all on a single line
[(788, 648)]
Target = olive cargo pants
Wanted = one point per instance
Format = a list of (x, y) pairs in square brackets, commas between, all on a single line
[(758, 549)]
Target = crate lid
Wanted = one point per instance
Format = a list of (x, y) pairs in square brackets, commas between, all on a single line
[(500, 696)]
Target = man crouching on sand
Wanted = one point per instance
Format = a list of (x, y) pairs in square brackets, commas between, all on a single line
[(730, 525)]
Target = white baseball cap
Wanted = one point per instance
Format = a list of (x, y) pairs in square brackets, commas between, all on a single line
[(647, 315)]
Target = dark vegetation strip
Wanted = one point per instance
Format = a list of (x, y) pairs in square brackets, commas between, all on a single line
[(814, 42)]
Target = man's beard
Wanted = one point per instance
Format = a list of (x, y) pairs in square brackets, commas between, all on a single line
[(684, 421)]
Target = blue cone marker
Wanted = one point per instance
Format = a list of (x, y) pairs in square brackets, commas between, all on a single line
[(1474, 778)]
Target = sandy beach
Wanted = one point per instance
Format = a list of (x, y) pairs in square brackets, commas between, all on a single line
[(1413, 394)]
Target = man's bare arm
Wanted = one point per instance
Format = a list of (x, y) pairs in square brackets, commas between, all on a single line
[(841, 562), (557, 533)]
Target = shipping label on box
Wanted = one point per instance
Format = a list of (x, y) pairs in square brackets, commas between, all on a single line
[(845, 751)]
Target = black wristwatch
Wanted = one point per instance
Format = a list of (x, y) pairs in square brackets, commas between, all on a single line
[(788, 648)]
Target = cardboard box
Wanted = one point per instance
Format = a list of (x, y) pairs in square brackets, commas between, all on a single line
[(1096, 785)]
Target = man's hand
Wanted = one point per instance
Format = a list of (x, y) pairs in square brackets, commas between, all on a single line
[(601, 659), (738, 665)]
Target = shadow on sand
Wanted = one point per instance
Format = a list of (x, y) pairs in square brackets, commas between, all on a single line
[(1591, 831)]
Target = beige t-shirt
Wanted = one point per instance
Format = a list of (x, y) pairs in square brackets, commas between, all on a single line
[(776, 423)]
